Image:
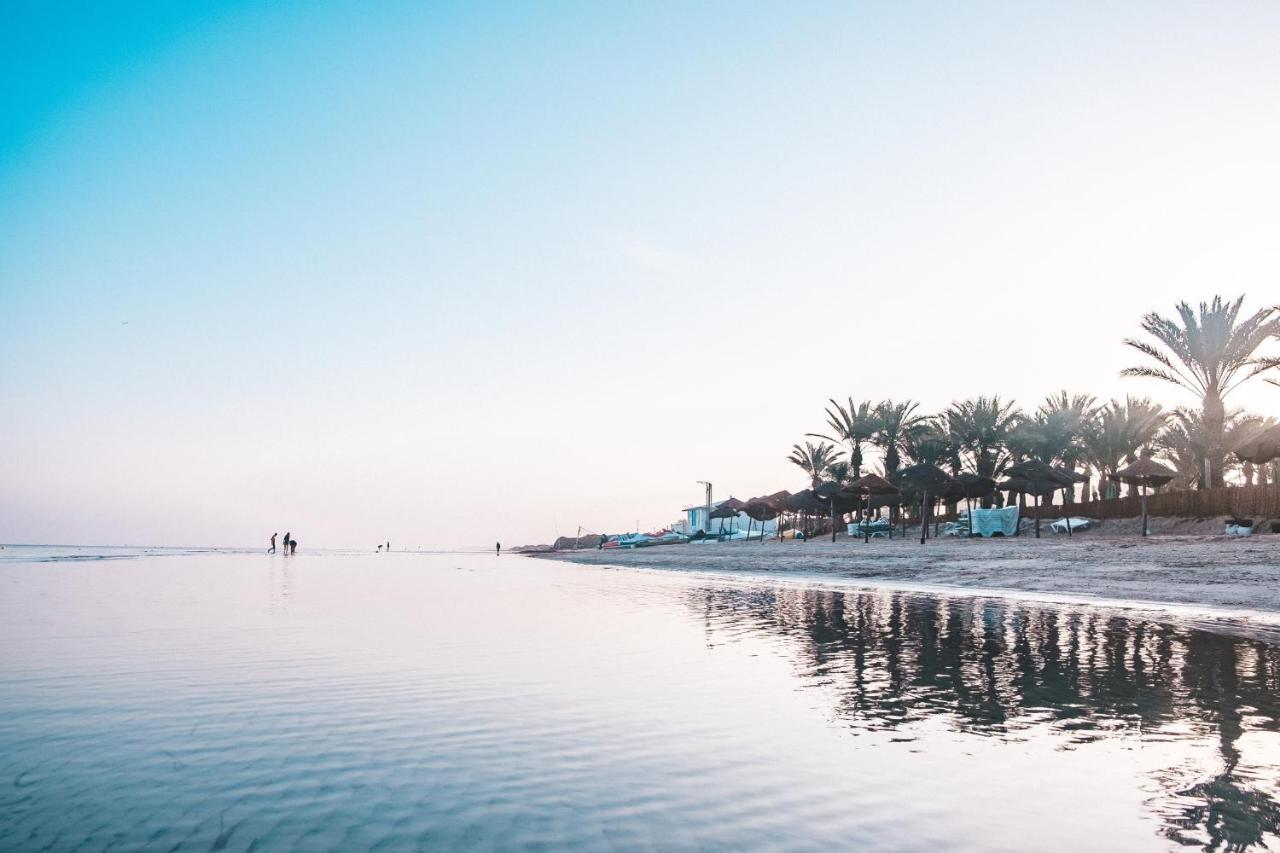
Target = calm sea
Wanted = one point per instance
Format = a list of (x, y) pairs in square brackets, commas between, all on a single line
[(213, 701)]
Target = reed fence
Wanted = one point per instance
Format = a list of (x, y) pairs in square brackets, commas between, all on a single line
[(1256, 502)]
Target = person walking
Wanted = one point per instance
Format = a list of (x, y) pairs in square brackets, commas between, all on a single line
[(499, 549), (272, 549)]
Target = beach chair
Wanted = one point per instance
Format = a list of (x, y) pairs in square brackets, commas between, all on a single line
[(1077, 523), (875, 528)]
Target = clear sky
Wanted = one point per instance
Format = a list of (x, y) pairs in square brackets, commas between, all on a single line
[(448, 273)]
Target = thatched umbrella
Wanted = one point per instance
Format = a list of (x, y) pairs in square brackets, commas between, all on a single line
[(1021, 486), (1143, 473), (1260, 448), (872, 484), (804, 502), (869, 486), (779, 501), (761, 510), (969, 486), (926, 481), (1040, 477), (727, 509), (827, 491)]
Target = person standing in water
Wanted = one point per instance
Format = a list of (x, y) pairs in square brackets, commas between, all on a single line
[(272, 549), (293, 547), (287, 539), (499, 549), (388, 546)]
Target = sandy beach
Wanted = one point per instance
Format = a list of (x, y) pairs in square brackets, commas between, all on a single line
[(1207, 571)]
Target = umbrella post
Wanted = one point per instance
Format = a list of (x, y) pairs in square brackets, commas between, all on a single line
[(968, 504), (1037, 516), (1143, 491), (833, 518), (924, 515), (866, 522)]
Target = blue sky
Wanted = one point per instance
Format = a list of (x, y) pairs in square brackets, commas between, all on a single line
[(352, 268)]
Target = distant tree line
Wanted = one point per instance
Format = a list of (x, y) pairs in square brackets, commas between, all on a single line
[(1209, 351)]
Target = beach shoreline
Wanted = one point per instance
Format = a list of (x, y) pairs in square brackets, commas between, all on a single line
[(1239, 575)]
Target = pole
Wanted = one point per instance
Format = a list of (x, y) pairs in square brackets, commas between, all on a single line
[(924, 519), (866, 519), (1037, 516), (1142, 490), (833, 518), (968, 504), (708, 509)]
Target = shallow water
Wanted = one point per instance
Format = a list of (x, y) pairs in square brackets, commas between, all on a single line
[(410, 701)]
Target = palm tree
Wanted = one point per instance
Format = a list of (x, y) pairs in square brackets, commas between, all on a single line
[(813, 459), (980, 430), (855, 424), (1242, 429), (1118, 434), (930, 444), (839, 471), (1185, 441), (895, 424), (1054, 434), (1209, 354)]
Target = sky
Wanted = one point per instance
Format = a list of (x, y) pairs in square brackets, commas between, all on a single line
[(445, 274)]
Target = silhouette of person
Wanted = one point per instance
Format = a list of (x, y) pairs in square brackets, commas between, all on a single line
[(272, 549), (499, 549)]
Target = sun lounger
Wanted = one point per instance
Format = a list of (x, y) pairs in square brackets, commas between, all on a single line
[(875, 528), (1077, 523)]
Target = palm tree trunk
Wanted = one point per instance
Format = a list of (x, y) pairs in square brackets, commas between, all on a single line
[(1214, 426)]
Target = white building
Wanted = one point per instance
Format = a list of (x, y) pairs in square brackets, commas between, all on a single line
[(695, 519)]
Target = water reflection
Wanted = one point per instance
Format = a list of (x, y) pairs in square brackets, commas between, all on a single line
[(894, 661)]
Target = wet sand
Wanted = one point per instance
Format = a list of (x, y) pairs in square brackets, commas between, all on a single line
[(1204, 571)]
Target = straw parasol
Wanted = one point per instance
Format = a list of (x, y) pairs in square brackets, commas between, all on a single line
[(761, 510), (1261, 448), (805, 502), (872, 484), (828, 489), (833, 492), (1145, 473), (967, 486), (727, 509), (925, 481), (1039, 477), (1018, 485), (869, 486)]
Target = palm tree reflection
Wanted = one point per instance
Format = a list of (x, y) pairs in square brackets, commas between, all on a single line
[(992, 667)]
